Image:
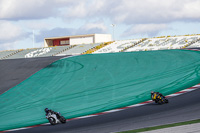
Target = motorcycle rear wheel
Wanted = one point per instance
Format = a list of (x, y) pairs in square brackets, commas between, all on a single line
[(62, 119), (166, 101), (159, 102)]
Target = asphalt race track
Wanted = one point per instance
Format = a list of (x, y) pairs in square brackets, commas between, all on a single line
[(180, 108), (21, 69)]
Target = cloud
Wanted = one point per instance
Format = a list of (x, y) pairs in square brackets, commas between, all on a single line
[(89, 28), (76, 11), (30, 9), (156, 11), (36, 24), (118, 11), (137, 11), (6, 46), (90, 9), (149, 29), (10, 32), (49, 18), (56, 32)]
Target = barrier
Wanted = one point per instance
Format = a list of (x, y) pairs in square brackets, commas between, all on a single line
[(93, 83)]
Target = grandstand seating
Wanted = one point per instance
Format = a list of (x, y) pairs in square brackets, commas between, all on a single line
[(21, 54), (164, 43), (78, 49), (196, 44), (56, 50), (39, 52), (117, 46), (6, 54), (146, 44)]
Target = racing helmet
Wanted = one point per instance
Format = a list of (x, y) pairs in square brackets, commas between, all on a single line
[(46, 109)]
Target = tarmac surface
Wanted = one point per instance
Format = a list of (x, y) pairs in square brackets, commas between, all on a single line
[(180, 108), (14, 71)]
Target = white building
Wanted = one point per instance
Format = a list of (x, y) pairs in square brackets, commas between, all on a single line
[(78, 39)]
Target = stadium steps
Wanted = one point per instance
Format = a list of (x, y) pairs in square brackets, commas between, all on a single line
[(22, 53), (133, 45), (11, 54), (91, 48), (189, 44), (97, 47), (60, 52)]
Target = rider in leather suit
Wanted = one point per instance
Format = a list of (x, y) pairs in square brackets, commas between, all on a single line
[(154, 95), (51, 111)]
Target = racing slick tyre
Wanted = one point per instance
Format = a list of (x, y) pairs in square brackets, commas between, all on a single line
[(166, 101), (52, 121), (62, 119), (159, 102)]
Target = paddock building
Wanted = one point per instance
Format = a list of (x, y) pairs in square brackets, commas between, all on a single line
[(77, 39)]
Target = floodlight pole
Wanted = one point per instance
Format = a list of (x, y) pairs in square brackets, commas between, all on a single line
[(33, 39), (113, 25)]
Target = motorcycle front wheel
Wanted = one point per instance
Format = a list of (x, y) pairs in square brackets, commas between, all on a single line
[(166, 101), (52, 121)]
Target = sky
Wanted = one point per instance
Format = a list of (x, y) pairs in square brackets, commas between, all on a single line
[(25, 23)]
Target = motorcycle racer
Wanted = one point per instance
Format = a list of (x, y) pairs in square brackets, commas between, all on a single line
[(156, 95), (54, 117), (52, 112)]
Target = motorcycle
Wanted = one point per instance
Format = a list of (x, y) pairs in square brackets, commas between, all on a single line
[(161, 100), (55, 118)]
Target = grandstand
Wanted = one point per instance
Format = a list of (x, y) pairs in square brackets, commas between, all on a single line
[(195, 45), (165, 43), (79, 49), (25, 53), (6, 54), (118, 46), (37, 52), (144, 44)]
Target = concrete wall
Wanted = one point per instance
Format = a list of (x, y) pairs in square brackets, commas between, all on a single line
[(81, 40), (102, 38)]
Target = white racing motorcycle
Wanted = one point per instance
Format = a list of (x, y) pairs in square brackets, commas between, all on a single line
[(55, 118)]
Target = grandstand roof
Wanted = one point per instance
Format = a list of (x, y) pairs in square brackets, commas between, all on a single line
[(74, 36)]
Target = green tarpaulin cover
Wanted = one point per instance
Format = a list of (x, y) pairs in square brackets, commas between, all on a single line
[(88, 84)]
